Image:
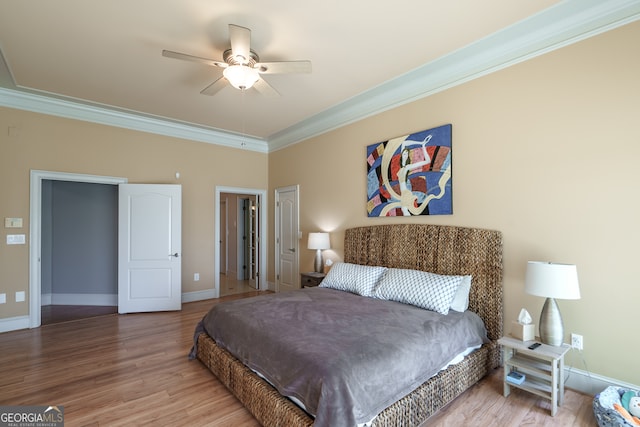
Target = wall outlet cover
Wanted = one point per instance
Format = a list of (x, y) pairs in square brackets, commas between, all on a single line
[(13, 223)]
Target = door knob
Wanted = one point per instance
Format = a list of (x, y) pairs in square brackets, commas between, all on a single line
[(292, 249), (174, 255)]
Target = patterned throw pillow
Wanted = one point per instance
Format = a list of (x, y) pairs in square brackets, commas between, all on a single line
[(354, 278), (420, 288)]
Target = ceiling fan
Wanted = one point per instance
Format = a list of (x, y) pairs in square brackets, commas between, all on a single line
[(241, 65)]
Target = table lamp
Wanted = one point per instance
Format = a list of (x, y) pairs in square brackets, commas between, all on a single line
[(319, 242), (550, 280)]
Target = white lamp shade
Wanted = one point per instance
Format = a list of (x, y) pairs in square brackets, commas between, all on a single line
[(546, 279), (318, 241), (241, 76)]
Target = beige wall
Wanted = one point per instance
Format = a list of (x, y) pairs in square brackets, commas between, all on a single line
[(55, 144), (546, 151)]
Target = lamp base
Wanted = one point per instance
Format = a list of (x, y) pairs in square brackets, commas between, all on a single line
[(317, 264), (551, 327)]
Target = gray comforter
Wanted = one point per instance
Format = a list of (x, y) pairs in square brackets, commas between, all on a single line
[(344, 356)]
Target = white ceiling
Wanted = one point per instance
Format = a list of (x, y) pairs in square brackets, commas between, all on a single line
[(101, 60)]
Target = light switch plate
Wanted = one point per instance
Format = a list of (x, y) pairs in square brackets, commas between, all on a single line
[(20, 296), (3, 298), (15, 239)]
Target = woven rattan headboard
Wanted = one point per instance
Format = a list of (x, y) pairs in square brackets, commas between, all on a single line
[(442, 250)]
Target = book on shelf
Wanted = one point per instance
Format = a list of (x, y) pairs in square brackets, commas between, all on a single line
[(515, 377)]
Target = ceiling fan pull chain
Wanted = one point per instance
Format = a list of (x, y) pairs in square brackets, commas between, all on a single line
[(243, 143)]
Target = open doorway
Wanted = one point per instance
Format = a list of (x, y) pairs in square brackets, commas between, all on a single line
[(239, 253), (240, 258), (36, 233), (79, 250)]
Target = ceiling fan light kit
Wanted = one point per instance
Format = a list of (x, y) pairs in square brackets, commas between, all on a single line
[(242, 66), (241, 76)]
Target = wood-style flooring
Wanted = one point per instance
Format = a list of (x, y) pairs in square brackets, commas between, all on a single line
[(50, 314), (130, 370), (231, 286)]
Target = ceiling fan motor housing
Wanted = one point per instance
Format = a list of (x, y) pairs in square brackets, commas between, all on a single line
[(230, 59)]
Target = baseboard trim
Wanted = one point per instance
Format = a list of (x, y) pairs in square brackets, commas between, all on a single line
[(80, 299), (590, 383), (14, 323), (198, 295)]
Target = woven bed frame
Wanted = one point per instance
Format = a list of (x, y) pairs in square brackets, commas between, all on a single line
[(438, 249)]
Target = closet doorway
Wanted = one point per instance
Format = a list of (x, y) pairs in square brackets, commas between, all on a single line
[(79, 254), (73, 246)]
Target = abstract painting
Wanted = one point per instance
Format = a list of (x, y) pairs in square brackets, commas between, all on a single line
[(410, 175)]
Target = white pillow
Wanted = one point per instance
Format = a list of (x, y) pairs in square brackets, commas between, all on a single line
[(461, 298), (354, 278), (420, 288)]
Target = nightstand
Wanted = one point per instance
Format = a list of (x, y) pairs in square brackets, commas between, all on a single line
[(308, 280), (542, 367)]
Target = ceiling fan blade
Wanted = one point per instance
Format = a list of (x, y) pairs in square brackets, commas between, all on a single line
[(240, 38), (185, 57), (265, 88), (283, 67), (214, 87)]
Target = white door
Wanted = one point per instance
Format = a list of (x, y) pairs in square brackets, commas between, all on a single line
[(287, 259), (149, 247)]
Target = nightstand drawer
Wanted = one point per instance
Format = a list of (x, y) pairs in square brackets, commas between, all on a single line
[(310, 279)]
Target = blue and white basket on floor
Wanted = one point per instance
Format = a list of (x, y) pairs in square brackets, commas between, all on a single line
[(603, 409)]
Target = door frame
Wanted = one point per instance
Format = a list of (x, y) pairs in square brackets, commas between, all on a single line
[(35, 230), (261, 196)]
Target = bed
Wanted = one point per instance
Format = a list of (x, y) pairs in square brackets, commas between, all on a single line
[(444, 250)]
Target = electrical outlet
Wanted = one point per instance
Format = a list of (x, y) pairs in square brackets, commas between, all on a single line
[(196, 277), (576, 341)]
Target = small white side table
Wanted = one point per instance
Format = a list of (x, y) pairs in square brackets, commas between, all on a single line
[(542, 367)]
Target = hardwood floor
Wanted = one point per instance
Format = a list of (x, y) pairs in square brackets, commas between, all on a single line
[(232, 286), (484, 406), (51, 314), (133, 369)]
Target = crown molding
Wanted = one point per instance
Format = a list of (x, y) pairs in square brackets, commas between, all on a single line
[(568, 22), (563, 24), (129, 120)]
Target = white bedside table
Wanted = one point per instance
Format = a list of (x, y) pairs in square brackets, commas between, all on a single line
[(543, 368)]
